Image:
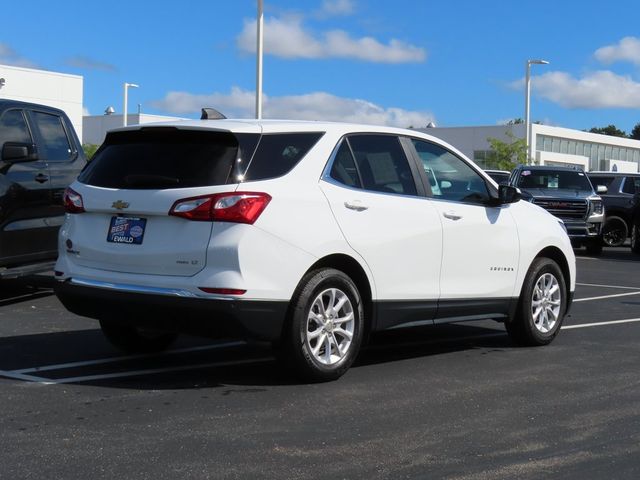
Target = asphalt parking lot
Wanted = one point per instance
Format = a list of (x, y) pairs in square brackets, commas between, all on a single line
[(455, 401)]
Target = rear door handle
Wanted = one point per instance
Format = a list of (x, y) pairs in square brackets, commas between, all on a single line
[(41, 178), (452, 215), (355, 205)]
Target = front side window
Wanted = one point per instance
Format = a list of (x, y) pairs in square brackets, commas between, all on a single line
[(449, 176), (13, 128), (56, 144), (382, 164)]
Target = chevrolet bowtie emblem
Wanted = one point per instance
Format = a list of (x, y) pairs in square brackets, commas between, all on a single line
[(120, 205)]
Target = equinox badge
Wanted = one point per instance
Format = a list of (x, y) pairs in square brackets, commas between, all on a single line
[(120, 205)]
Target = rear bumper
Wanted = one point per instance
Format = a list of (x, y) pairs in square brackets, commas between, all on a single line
[(250, 319)]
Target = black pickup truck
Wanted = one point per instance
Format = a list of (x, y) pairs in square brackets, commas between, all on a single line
[(567, 193), (40, 155), (621, 203)]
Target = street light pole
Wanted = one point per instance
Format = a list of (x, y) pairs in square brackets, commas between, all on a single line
[(124, 108), (527, 101), (259, 48)]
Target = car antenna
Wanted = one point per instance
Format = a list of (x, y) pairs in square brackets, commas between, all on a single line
[(209, 113)]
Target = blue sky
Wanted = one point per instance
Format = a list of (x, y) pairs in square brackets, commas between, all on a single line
[(401, 62)]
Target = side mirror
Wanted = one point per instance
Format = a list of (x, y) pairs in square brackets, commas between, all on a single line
[(15, 152), (601, 189), (509, 194)]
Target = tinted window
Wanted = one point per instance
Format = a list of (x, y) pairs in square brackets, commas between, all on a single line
[(449, 176), (165, 158), (278, 153), (554, 179), (344, 169), (13, 128), (631, 185), (606, 181), (382, 164), (56, 143)]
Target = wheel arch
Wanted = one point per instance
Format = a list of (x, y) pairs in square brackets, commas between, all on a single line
[(557, 256)]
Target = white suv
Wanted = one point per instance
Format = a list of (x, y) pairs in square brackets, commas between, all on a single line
[(306, 234)]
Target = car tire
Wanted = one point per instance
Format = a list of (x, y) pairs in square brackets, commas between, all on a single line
[(635, 238), (324, 328), (594, 247), (131, 339), (614, 232), (542, 305)]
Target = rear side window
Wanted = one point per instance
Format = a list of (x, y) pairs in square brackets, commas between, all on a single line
[(278, 153), (631, 185), (382, 164), (13, 128), (56, 143), (155, 158)]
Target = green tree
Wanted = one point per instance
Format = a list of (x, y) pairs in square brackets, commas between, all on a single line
[(506, 155), (635, 133), (610, 130), (89, 149)]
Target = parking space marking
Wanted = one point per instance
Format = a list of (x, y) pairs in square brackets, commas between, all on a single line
[(600, 324), (123, 358), (602, 297), (21, 376), (607, 286), (149, 371)]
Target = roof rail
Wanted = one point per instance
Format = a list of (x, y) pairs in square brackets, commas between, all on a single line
[(209, 113)]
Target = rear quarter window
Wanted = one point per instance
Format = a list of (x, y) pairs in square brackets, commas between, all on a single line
[(278, 153)]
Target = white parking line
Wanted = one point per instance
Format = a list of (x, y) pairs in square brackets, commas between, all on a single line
[(135, 373), (20, 376), (600, 324), (605, 296), (99, 361), (607, 286)]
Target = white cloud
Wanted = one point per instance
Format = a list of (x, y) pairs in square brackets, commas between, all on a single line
[(87, 63), (601, 89), (240, 103), (628, 49), (287, 38), (8, 56), (337, 7)]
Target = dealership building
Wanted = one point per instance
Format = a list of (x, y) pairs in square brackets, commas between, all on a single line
[(549, 146), (59, 90)]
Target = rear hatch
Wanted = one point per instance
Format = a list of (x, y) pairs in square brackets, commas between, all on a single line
[(132, 183)]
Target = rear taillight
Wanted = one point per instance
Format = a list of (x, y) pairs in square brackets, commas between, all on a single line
[(235, 207), (72, 201)]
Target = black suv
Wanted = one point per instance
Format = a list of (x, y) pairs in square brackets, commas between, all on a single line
[(621, 203), (40, 155), (567, 193)]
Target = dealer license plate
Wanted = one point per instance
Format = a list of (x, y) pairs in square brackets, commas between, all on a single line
[(128, 230)]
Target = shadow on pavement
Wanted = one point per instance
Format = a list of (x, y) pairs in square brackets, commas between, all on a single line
[(246, 365)]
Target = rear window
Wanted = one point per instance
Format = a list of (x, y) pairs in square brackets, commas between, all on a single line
[(153, 158)]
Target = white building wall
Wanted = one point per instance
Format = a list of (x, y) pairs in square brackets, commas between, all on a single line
[(592, 151), (95, 127), (59, 90)]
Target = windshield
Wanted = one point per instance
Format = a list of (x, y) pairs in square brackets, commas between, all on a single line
[(554, 179)]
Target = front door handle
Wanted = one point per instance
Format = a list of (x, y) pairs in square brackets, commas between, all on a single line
[(452, 215), (355, 205), (41, 178)]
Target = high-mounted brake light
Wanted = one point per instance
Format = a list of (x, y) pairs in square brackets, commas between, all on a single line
[(72, 201), (234, 207)]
